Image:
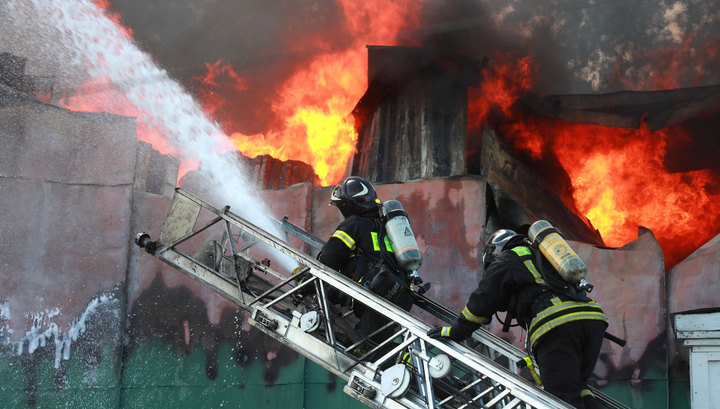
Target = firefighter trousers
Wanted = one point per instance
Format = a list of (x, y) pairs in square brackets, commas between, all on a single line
[(567, 356)]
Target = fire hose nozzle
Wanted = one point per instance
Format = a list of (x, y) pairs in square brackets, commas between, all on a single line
[(143, 240)]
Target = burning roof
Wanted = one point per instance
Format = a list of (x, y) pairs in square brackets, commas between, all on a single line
[(616, 161)]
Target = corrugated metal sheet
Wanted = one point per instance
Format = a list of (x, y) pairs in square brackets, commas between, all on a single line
[(271, 173), (412, 121), (418, 134)]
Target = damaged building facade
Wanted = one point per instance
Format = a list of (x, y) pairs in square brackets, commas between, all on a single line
[(85, 316)]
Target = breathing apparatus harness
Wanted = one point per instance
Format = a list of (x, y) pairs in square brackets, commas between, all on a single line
[(554, 283), (384, 276)]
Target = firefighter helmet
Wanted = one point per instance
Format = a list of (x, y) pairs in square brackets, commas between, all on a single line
[(495, 244), (354, 195)]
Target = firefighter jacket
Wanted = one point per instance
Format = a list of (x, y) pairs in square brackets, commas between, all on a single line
[(512, 283), (356, 246)]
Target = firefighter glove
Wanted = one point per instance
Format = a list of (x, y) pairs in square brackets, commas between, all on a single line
[(444, 333), (420, 289)]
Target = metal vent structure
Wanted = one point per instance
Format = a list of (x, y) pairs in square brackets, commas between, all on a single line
[(310, 309)]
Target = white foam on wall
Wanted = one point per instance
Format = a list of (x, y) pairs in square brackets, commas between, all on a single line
[(5, 316), (5, 311), (44, 330)]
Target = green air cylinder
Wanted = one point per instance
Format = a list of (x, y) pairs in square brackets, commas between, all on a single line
[(401, 236), (557, 251)]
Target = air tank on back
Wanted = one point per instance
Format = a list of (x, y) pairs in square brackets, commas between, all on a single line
[(571, 268), (401, 235)]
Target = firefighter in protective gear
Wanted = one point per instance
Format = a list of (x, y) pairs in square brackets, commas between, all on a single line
[(565, 331), (360, 249)]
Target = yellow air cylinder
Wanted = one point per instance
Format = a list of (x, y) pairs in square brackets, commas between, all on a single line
[(571, 268)]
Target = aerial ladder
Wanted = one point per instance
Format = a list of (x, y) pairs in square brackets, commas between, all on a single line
[(404, 368)]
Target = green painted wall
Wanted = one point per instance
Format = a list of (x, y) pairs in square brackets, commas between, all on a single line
[(155, 376)]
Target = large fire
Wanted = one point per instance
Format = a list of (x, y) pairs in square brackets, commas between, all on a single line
[(314, 104), (620, 182), (618, 175)]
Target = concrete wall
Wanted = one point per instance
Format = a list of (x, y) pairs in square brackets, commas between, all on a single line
[(66, 182), (86, 320)]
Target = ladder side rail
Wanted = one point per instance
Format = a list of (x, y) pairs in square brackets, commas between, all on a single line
[(317, 349), (480, 335), (326, 352), (288, 333), (225, 286), (399, 316), (305, 344), (301, 234), (606, 400), (333, 278), (520, 387)]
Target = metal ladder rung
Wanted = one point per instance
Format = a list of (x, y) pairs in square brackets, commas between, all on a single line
[(515, 403), (483, 394), (472, 384), (498, 398)]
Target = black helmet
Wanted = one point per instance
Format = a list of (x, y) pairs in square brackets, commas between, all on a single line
[(354, 195), (495, 244)]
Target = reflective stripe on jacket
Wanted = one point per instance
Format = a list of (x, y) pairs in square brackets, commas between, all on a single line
[(562, 312), (356, 235)]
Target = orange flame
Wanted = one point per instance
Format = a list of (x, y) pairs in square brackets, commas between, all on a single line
[(620, 182), (501, 87), (315, 104), (316, 101), (618, 175), (623, 182), (218, 76)]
